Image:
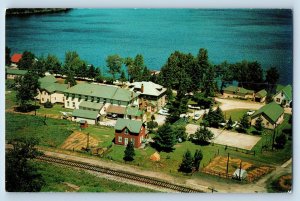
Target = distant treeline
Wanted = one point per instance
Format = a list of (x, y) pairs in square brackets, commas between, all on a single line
[(30, 11)]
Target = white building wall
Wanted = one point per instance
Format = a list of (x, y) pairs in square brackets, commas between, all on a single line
[(89, 121)]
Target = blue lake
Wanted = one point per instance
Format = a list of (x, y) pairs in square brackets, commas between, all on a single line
[(233, 35)]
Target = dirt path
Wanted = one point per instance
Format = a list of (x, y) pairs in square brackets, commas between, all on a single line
[(229, 104)]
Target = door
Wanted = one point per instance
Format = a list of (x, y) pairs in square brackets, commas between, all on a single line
[(125, 141)]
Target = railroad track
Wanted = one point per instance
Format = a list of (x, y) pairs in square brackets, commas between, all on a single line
[(119, 173)]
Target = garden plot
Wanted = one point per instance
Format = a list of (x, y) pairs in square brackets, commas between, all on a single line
[(228, 138), (78, 140)]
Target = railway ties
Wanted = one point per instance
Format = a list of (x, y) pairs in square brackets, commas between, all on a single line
[(119, 173)]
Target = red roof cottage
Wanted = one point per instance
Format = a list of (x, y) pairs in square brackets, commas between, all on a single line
[(16, 58), (127, 130)]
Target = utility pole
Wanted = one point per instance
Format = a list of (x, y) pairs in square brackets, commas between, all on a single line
[(273, 141), (227, 166), (88, 139), (240, 170)]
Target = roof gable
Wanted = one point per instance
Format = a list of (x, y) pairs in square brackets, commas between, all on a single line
[(150, 88), (49, 78), (132, 125), (262, 93), (16, 57), (272, 110)]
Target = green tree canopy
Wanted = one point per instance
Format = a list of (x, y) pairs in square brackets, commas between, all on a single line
[(20, 174), (123, 77), (203, 136), (165, 138), (198, 156), (53, 64), (129, 152), (187, 163), (27, 89), (114, 64), (7, 56), (245, 123), (27, 61)]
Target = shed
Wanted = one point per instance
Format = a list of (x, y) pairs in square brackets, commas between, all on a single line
[(239, 174), (155, 157), (83, 124)]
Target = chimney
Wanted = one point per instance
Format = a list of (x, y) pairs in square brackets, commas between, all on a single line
[(142, 88), (69, 85)]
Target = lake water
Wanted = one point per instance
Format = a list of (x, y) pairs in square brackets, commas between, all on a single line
[(233, 35)]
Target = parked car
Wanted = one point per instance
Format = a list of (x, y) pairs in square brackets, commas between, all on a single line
[(163, 112), (196, 117), (194, 107), (250, 112)]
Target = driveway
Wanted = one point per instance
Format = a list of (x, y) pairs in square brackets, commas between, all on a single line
[(228, 138), (229, 104)]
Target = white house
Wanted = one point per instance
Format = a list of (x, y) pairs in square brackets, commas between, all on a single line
[(284, 96)]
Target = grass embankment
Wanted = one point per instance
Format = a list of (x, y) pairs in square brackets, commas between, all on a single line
[(72, 180), (235, 114)]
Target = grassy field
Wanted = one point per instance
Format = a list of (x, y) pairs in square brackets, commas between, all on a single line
[(10, 99), (235, 114), (53, 134), (72, 180)]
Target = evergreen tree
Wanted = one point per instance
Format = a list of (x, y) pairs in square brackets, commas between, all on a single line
[(272, 76), (146, 74), (128, 61), (219, 114), (165, 138), (7, 56), (203, 136), (229, 123), (70, 79), (180, 133), (169, 94), (123, 77), (27, 61), (129, 152), (245, 123), (280, 141), (197, 159), (114, 64), (40, 66), (152, 117), (27, 89), (21, 175), (52, 64), (187, 163)]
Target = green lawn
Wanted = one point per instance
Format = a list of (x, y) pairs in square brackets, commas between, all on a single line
[(10, 99), (67, 178), (53, 134), (235, 114), (55, 110)]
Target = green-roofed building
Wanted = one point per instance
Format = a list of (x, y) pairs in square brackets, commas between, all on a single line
[(261, 95), (127, 130), (50, 90), (135, 113), (271, 114), (104, 94), (13, 73), (91, 117), (238, 92), (284, 96)]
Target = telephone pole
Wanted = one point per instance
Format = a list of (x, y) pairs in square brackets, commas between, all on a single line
[(227, 166)]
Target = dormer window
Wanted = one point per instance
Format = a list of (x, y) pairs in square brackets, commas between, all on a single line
[(98, 100), (86, 98), (126, 130)]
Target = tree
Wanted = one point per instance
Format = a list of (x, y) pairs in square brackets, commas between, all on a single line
[(52, 64), (202, 101), (146, 75), (27, 61), (7, 56), (73, 64), (27, 89), (151, 125), (114, 64), (165, 138), (70, 79), (245, 123), (203, 136), (187, 163), (152, 117), (219, 114), (39, 66), (138, 67), (229, 123), (197, 159), (128, 61), (214, 118), (129, 152), (123, 77), (21, 175), (208, 87), (280, 141), (258, 124), (169, 94), (180, 133), (272, 76)]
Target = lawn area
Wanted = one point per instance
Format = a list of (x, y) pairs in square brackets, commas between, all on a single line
[(235, 114), (53, 134), (10, 99), (54, 111), (69, 180)]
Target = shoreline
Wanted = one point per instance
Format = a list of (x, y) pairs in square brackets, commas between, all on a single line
[(33, 11)]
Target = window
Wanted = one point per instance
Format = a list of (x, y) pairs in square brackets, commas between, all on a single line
[(63, 99), (268, 123), (73, 104), (278, 100), (68, 104), (120, 139), (42, 99), (98, 100), (119, 102), (92, 99), (132, 140), (86, 98)]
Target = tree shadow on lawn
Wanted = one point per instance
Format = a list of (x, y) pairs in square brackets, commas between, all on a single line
[(26, 108)]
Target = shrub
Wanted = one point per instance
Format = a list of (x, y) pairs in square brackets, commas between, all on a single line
[(48, 104)]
